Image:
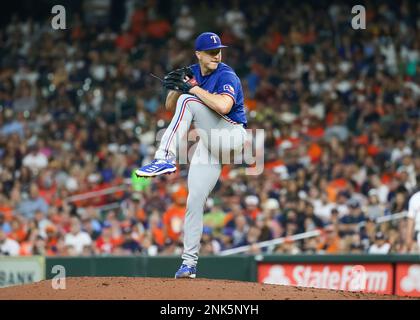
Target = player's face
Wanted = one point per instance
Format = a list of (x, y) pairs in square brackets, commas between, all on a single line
[(210, 59)]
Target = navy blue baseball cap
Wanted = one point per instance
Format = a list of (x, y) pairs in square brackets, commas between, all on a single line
[(208, 41)]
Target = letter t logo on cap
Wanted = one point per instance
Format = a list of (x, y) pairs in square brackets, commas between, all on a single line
[(214, 38)]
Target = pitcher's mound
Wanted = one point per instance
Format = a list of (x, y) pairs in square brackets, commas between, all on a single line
[(120, 288)]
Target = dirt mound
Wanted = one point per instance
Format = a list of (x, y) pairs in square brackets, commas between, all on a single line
[(120, 288)]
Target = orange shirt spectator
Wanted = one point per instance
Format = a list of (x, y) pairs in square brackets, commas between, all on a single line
[(315, 152), (329, 118), (251, 207), (315, 132), (7, 212), (51, 245), (386, 178), (339, 183), (362, 139), (18, 232), (250, 104), (173, 220), (107, 243), (225, 172), (334, 187), (273, 40), (253, 213), (141, 215), (228, 217), (296, 36), (164, 114), (158, 235), (373, 150), (156, 228), (310, 36), (138, 22), (331, 193), (331, 241), (26, 248), (125, 41), (227, 37), (158, 29), (48, 194)]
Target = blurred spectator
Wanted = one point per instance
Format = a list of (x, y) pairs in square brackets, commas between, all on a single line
[(380, 246), (35, 159), (5, 226), (374, 209), (310, 245), (40, 246), (148, 247), (25, 100), (356, 249), (330, 242), (251, 207), (129, 245), (8, 247), (322, 207), (288, 247), (185, 25), (349, 224), (34, 203), (240, 231), (173, 217), (215, 218), (310, 220), (107, 242), (226, 238), (76, 238), (209, 245), (236, 20)]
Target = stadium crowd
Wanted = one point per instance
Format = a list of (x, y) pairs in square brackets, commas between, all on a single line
[(340, 109)]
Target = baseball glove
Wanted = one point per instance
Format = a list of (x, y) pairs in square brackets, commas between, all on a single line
[(180, 80)]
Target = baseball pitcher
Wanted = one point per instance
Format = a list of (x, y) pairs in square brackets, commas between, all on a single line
[(209, 95)]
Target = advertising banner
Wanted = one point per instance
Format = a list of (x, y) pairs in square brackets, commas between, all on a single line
[(368, 277), (407, 279), (21, 270)]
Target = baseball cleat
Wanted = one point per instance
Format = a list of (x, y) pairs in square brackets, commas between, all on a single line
[(156, 168), (186, 272)]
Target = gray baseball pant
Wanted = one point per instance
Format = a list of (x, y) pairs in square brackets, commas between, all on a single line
[(219, 136)]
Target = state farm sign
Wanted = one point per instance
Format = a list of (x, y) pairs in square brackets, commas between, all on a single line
[(369, 277), (408, 280)]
